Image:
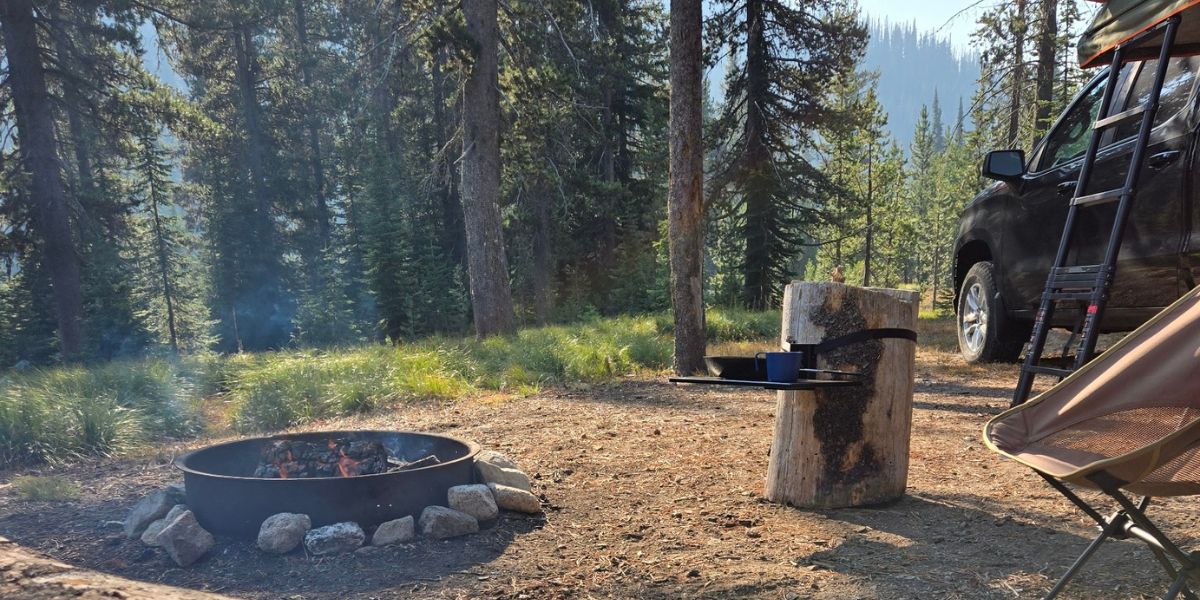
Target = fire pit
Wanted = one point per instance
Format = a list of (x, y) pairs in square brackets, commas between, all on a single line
[(233, 487)]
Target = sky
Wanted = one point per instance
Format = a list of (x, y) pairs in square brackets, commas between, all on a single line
[(929, 15)]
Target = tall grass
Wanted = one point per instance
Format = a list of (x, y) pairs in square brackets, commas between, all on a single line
[(56, 414)]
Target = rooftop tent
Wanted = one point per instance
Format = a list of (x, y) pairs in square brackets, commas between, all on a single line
[(1119, 20)]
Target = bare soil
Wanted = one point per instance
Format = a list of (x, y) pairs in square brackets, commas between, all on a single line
[(653, 491)]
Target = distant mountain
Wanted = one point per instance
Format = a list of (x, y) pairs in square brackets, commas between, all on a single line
[(912, 65)]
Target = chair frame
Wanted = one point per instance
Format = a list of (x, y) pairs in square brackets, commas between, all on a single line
[(1130, 521)]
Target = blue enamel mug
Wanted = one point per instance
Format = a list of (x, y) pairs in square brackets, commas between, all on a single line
[(782, 367)]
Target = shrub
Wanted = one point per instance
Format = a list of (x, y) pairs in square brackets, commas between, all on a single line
[(45, 488)]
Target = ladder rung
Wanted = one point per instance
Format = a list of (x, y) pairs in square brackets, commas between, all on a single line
[(1083, 276), (1098, 197), (1049, 371), (1119, 117), (1083, 296), (1077, 270), (1073, 282)]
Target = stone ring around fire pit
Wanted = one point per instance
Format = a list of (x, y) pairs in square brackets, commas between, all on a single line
[(367, 477)]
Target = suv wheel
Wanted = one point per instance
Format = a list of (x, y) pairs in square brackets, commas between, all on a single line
[(985, 333)]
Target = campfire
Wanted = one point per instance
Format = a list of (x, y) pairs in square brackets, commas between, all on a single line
[(290, 458), (312, 489), (366, 477)]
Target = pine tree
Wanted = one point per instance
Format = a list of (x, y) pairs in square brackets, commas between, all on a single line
[(935, 124), (785, 53), (170, 285), (863, 164), (38, 142)]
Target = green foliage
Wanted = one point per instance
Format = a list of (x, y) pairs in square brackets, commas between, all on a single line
[(300, 188), (274, 390), (762, 180), (171, 284), (45, 488), (26, 325), (55, 414), (281, 389)]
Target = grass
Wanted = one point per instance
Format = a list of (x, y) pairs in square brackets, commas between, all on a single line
[(276, 390), (62, 413), (58, 414), (54, 414), (45, 488)]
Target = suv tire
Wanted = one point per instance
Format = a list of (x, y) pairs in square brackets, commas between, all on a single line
[(985, 332)]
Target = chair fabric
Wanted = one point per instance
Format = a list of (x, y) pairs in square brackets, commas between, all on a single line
[(1131, 414)]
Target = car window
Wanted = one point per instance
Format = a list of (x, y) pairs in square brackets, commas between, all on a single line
[(1177, 88), (1070, 138)]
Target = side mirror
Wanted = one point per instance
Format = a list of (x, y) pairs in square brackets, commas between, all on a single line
[(1004, 165)]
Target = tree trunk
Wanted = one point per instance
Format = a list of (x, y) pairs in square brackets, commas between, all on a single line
[(247, 78), (543, 267), (320, 204), (452, 211), (28, 575), (685, 200), (937, 263), (164, 264), (487, 263), (71, 102), (1045, 65), (870, 241), (760, 217), (1018, 76), (842, 447), (39, 152)]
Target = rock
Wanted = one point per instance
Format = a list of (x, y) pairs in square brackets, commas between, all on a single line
[(281, 533), (396, 531), (334, 539), (152, 508), (495, 458), (439, 523), (475, 500), (511, 498), (185, 540), (150, 535), (491, 473)]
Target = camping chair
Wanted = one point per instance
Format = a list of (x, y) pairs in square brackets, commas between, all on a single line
[(1126, 423)]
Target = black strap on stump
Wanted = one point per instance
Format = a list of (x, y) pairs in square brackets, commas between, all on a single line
[(811, 351)]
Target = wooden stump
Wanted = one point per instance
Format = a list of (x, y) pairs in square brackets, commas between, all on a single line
[(845, 446), (27, 575)]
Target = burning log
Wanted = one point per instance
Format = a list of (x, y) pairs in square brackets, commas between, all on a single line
[(334, 458), (400, 465), (285, 459)]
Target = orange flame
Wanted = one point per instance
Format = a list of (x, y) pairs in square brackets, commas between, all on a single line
[(347, 466)]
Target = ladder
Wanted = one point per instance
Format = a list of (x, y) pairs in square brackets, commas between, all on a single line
[(1088, 285)]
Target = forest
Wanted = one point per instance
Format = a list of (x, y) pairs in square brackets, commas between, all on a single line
[(314, 182)]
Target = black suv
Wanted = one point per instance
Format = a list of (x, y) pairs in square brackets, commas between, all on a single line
[(1009, 233)]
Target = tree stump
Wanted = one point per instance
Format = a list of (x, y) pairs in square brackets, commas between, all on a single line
[(845, 446), (25, 575)]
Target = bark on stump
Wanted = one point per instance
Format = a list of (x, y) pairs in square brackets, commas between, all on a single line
[(25, 575), (847, 446)]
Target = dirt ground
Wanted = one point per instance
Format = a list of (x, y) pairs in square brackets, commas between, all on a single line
[(654, 491)]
